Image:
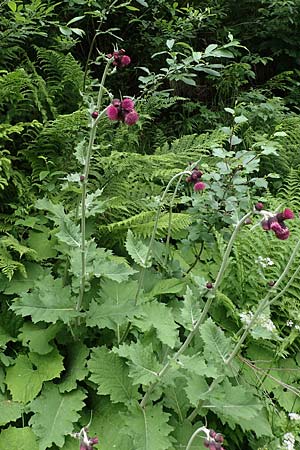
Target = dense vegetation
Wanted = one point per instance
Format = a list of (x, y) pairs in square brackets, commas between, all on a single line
[(150, 246)]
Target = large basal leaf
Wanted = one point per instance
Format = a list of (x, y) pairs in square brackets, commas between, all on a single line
[(115, 305), (76, 366), (9, 410), (38, 336), (107, 418), (113, 270), (18, 439), (110, 374), (148, 428), (55, 414), (138, 250), (158, 316), (26, 377), (49, 302), (142, 363)]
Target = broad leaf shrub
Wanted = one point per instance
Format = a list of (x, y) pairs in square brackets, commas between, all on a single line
[(170, 336)]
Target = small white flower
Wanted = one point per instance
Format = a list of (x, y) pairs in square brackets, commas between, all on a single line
[(294, 416), (264, 262), (246, 317), (267, 323), (290, 323), (288, 441)]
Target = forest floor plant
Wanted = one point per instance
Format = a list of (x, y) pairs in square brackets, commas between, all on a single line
[(138, 343)]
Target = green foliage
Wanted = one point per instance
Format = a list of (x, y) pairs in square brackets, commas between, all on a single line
[(54, 415), (141, 345)]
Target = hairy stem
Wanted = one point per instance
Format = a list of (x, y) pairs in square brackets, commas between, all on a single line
[(194, 435), (142, 272), (202, 315), (84, 189), (267, 301)]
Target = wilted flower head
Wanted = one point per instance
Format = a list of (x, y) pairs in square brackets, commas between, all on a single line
[(275, 222), (123, 111), (119, 58)]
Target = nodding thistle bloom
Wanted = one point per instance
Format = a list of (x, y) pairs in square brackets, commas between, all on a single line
[(120, 59), (199, 186), (195, 178), (213, 440), (275, 222), (123, 111)]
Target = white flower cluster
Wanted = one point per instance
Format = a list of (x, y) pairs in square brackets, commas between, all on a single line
[(294, 416), (262, 321), (291, 324), (288, 442), (264, 262)]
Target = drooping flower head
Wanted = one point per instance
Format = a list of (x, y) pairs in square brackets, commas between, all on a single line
[(119, 58), (195, 178), (199, 186), (123, 111), (276, 222)]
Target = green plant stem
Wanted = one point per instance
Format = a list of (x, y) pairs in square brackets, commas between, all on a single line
[(170, 220), (263, 304), (267, 302), (203, 314), (142, 272), (84, 188), (194, 435)]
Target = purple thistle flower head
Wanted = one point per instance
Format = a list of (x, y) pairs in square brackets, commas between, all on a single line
[(125, 60), (119, 58), (112, 112), (288, 214), (131, 118), (199, 186), (127, 104), (275, 223)]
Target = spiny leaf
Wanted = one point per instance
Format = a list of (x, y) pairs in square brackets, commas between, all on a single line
[(37, 337), (143, 365), (9, 411), (55, 414), (26, 377), (110, 374), (113, 270), (149, 428), (115, 306), (18, 439), (49, 301), (138, 251), (107, 418), (234, 404), (191, 310), (216, 345), (76, 369), (158, 316)]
